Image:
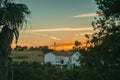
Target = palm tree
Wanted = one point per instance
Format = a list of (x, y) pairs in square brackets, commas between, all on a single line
[(12, 18)]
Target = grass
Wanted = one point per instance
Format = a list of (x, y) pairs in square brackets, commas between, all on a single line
[(28, 56)]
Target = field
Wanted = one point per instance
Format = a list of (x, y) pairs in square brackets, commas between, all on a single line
[(29, 56)]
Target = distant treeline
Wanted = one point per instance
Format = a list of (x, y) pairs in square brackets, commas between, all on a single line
[(44, 49)]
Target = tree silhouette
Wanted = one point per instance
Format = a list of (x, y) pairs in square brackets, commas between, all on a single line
[(106, 38), (12, 18), (77, 46)]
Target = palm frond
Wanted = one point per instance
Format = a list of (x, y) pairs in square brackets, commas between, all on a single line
[(4, 2), (14, 15)]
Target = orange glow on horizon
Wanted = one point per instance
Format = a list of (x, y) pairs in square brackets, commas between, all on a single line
[(59, 46), (62, 46)]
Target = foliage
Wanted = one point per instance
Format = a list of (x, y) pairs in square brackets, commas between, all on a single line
[(44, 49), (77, 46), (21, 48), (13, 15), (106, 36), (109, 29), (38, 71)]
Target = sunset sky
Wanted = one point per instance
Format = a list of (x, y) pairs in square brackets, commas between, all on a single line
[(60, 21)]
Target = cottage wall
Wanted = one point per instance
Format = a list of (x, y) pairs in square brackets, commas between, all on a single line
[(59, 59), (49, 58), (66, 60)]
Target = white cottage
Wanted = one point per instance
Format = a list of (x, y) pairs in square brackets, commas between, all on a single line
[(68, 58)]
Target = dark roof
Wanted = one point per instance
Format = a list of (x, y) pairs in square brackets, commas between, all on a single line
[(63, 53)]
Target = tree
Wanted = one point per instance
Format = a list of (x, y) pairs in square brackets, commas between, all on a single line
[(45, 49), (21, 48), (12, 18), (77, 46), (107, 30), (106, 36)]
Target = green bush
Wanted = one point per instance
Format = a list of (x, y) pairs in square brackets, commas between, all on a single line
[(38, 71)]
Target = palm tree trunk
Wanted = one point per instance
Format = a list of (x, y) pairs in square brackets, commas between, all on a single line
[(3, 68), (6, 37)]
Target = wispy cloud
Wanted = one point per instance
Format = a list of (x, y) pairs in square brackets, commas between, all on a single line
[(55, 38), (60, 29), (82, 34), (85, 15), (44, 35)]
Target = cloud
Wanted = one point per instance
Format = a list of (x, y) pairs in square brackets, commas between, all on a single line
[(40, 34), (86, 33), (60, 29), (55, 38), (33, 33), (82, 34), (86, 15)]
